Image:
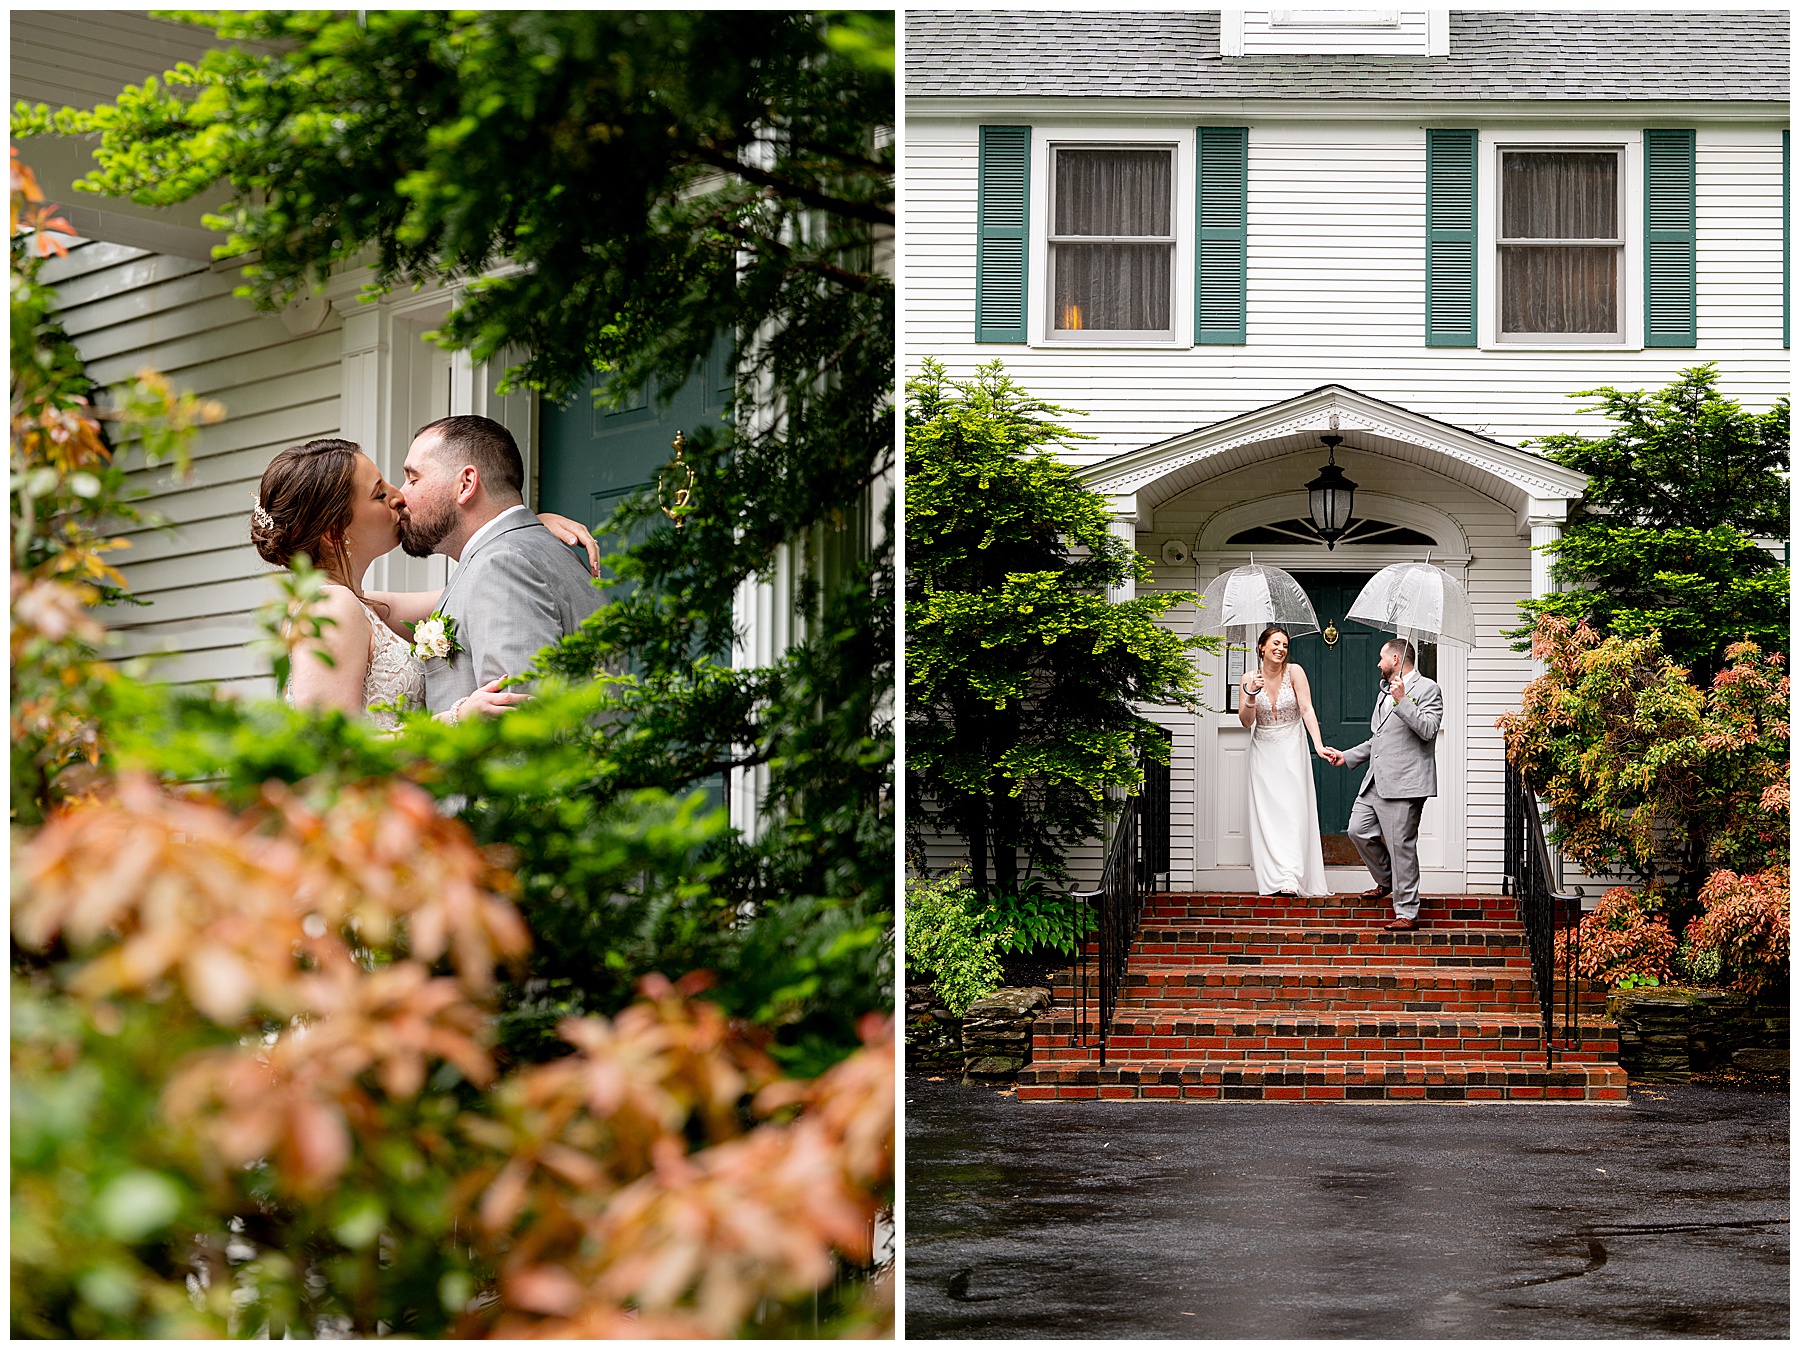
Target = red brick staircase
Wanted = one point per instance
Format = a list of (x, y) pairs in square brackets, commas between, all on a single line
[(1256, 998)]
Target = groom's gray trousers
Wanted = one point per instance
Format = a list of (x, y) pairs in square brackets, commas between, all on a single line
[(1385, 831), (1401, 753)]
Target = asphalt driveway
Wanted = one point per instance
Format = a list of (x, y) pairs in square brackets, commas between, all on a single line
[(1666, 1217)]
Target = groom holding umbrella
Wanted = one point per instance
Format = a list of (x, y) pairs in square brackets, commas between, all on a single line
[(1422, 601)]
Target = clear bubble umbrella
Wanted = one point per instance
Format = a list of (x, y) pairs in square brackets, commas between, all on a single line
[(1419, 602), (1244, 601)]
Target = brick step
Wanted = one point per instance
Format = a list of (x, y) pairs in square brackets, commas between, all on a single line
[(1266, 1080), (1308, 1038), (1295, 945), (1160, 913), (1464, 989)]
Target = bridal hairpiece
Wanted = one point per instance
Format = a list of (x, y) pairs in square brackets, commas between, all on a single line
[(262, 517)]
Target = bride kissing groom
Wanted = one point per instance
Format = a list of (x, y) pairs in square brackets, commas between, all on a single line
[(516, 589)]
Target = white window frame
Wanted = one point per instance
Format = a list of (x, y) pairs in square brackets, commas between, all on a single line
[(1629, 145), (1176, 137)]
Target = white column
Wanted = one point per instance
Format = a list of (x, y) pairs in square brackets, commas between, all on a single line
[(1124, 528), (1545, 529)]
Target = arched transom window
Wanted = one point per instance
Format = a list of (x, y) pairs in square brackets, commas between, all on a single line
[(1301, 531)]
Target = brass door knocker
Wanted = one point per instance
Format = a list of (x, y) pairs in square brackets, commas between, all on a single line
[(684, 493), (1330, 634)]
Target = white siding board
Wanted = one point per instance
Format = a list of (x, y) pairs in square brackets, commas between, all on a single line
[(1335, 290), (126, 310)]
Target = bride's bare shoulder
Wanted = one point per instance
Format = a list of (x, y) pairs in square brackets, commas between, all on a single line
[(340, 605)]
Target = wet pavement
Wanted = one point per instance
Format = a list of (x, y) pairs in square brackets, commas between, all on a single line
[(1666, 1217)]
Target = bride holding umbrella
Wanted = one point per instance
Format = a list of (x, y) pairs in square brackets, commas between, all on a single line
[(1266, 603)]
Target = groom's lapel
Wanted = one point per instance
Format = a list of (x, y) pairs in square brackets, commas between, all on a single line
[(462, 563)]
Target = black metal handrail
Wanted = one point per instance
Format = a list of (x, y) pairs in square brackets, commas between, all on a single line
[(1137, 855), (1530, 879)]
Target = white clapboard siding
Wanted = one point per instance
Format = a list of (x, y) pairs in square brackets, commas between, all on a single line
[(1336, 291), (127, 310)]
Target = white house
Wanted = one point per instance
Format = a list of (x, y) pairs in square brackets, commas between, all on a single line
[(1226, 235), (140, 289)]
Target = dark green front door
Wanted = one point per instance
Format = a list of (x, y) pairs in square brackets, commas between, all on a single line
[(590, 458), (1345, 679)]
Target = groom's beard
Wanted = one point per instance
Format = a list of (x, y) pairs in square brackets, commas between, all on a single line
[(421, 534)]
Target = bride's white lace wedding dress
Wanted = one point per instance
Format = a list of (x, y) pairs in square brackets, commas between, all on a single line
[(1285, 850), (395, 676)]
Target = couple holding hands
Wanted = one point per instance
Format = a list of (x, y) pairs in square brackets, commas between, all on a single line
[(1285, 847)]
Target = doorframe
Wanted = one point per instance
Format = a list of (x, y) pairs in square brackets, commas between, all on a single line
[(1442, 834)]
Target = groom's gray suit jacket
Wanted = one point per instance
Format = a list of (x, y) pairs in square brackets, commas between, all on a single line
[(518, 591), (1401, 751)]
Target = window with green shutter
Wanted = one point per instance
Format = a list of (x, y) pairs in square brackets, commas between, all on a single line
[(1002, 214), (1669, 238), (1221, 217), (1450, 237)]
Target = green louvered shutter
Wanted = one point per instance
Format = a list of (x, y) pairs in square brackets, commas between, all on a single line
[(1669, 238), (1221, 209), (1002, 212), (1449, 238), (1784, 239)]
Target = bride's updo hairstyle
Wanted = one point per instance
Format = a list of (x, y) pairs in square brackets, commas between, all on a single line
[(304, 505), (1268, 633)]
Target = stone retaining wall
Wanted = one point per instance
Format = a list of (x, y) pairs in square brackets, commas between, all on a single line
[(1668, 1034)]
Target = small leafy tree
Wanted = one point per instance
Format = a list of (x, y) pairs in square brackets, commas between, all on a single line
[(1640, 770), (1023, 678), (1662, 538)]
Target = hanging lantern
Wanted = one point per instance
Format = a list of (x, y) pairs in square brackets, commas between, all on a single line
[(1331, 497)]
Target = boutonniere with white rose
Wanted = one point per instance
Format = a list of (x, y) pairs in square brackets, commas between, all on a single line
[(435, 636)]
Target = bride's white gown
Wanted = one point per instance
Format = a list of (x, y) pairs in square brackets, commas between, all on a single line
[(395, 676), (1285, 850)]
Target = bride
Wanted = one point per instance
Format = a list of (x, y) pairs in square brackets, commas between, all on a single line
[(1285, 849), (327, 499)]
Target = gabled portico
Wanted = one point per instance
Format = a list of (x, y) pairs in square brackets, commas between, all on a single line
[(1201, 502)]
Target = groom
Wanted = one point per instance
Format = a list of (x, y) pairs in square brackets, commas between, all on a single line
[(1400, 752), (516, 589)]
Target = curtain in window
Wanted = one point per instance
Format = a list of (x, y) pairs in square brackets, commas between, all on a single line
[(1559, 288), (1114, 286)]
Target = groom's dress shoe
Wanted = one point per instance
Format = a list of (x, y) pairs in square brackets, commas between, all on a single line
[(1374, 893), (1402, 925)]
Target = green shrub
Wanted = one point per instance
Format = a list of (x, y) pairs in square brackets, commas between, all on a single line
[(1624, 941), (1744, 929), (949, 941), (1036, 921)]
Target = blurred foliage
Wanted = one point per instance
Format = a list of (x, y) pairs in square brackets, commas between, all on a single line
[(1023, 679), (1638, 769), (623, 187), (284, 1059), (255, 1094), (1663, 539), (68, 494)]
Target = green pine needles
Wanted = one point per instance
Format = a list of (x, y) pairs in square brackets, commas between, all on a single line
[(1024, 682)]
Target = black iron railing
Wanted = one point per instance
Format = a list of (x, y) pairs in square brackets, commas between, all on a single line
[(1137, 855), (1531, 881)]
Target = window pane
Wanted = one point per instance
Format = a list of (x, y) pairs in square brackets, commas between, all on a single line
[(1113, 287), (1114, 191), (1567, 289), (1560, 194)]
